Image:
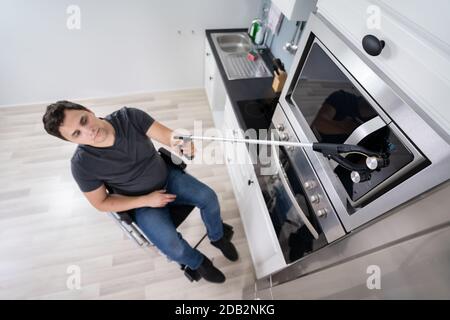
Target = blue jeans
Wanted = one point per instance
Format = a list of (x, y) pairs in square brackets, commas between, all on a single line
[(158, 226)]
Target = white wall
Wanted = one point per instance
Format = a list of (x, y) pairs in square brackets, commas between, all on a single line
[(122, 47)]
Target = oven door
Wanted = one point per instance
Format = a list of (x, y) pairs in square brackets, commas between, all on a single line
[(292, 217), (333, 96), (295, 210)]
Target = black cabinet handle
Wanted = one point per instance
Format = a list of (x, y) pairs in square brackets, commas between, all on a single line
[(372, 45), (250, 182)]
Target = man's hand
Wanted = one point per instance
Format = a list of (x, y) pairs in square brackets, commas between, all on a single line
[(182, 147), (158, 199), (165, 135)]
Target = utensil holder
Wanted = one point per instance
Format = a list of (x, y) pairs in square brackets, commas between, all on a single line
[(278, 81)]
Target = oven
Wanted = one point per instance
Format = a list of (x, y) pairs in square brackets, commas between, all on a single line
[(297, 204), (335, 95), (335, 109)]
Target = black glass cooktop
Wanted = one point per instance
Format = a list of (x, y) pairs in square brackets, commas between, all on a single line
[(257, 114)]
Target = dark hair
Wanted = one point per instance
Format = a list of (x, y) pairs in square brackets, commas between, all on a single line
[(54, 116)]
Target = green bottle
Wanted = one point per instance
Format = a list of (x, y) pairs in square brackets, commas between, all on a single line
[(254, 29)]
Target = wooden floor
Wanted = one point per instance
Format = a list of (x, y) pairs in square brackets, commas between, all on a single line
[(47, 226)]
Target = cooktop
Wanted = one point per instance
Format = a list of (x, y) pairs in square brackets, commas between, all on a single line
[(257, 114)]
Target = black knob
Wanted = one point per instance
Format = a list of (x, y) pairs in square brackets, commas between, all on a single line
[(250, 182), (373, 45)]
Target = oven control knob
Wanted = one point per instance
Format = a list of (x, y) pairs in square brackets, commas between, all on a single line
[(284, 136), (322, 213), (280, 127), (315, 198), (309, 185)]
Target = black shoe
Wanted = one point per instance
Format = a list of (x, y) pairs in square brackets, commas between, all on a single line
[(227, 248), (209, 272), (228, 231)]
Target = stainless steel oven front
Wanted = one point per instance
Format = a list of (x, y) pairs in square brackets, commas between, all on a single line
[(302, 216), (334, 94)]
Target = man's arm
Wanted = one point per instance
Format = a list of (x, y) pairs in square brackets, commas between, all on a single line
[(162, 134), (104, 202)]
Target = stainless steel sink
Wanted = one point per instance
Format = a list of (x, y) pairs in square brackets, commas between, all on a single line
[(233, 49), (236, 43)]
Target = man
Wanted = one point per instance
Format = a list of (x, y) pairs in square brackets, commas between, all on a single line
[(116, 151), (340, 114)]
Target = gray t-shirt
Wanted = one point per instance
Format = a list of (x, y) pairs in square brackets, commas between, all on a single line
[(131, 166)]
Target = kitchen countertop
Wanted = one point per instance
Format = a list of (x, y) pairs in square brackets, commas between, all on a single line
[(243, 89)]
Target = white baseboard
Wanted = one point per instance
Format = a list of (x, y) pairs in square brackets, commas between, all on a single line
[(100, 98)]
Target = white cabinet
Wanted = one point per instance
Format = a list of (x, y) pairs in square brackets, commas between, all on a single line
[(295, 10), (416, 56), (263, 243), (264, 247), (215, 89), (235, 156)]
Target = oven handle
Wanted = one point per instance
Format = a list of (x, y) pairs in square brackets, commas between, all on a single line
[(283, 178)]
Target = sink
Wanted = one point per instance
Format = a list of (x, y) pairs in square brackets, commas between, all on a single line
[(234, 43), (233, 48)]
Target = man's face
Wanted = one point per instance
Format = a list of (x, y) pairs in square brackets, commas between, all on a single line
[(83, 127)]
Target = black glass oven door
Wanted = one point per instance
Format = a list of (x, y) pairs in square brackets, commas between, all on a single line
[(291, 214)]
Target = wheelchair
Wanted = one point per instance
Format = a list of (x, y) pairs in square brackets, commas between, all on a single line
[(179, 213)]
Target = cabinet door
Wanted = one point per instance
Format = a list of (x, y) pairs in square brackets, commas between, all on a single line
[(262, 241), (218, 93), (210, 72), (295, 10), (264, 248), (234, 154), (413, 56), (214, 86), (234, 168)]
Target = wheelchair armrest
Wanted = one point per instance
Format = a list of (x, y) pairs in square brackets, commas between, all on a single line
[(130, 228), (172, 159), (125, 216)]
